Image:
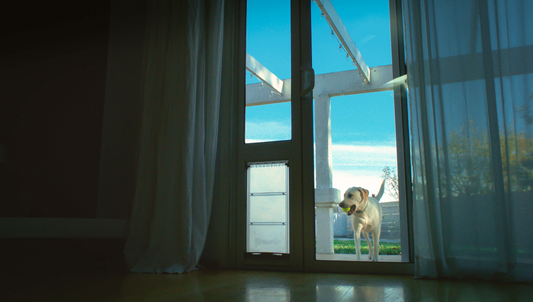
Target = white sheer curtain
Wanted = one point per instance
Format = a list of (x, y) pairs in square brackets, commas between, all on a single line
[(470, 69), (178, 142)]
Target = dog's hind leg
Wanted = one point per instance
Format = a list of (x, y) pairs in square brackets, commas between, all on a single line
[(365, 234)]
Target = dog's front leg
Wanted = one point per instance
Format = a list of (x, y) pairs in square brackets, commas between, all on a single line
[(365, 234), (375, 237), (357, 241)]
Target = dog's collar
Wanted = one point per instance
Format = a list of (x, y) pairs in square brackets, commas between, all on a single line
[(363, 209)]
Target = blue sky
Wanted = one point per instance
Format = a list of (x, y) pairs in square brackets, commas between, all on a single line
[(362, 125)]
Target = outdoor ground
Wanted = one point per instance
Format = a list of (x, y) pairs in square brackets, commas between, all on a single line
[(347, 246)]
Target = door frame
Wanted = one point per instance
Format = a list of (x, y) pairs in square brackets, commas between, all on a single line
[(290, 150), (299, 152)]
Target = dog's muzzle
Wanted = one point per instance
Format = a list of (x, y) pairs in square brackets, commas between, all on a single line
[(350, 211)]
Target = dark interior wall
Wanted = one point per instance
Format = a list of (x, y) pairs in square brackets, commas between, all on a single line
[(123, 109), (53, 72), (70, 84), (60, 254)]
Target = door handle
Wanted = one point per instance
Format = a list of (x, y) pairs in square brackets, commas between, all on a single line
[(308, 77)]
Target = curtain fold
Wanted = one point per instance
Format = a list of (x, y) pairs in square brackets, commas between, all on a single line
[(470, 71), (178, 141)]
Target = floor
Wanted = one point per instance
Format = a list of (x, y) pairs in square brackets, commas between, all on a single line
[(238, 285)]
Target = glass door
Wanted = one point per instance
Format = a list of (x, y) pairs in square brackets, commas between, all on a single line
[(360, 219), (300, 150), (278, 79)]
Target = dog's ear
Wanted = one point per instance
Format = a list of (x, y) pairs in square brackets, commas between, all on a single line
[(364, 193)]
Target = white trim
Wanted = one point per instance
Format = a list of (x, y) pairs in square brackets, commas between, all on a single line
[(263, 74), (344, 37), (332, 84)]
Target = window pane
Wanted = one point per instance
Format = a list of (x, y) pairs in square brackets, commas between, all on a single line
[(268, 71)]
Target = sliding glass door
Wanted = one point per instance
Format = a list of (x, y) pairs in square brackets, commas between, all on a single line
[(360, 145), (305, 138)]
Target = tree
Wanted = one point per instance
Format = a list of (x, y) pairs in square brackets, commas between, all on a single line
[(465, 163), (391, 179)]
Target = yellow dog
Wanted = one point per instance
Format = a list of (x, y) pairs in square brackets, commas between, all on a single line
[(366, 217)]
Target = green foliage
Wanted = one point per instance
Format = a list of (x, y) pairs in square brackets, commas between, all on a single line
[(468, 162), (465, 162), (348, 247), (518, 162)]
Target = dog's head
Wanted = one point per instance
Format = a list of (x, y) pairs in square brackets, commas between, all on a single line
[(355, 198)]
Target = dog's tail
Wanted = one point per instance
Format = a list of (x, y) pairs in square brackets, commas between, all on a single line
[(381, 191)]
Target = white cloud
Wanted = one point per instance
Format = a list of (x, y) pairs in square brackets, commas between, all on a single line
[(267, 131), (369, 180), (373, 149), (363, 156), (366, 39), (361, 166), (353, 165)]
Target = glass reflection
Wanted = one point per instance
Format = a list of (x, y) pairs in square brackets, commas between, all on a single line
[(265, 294), (359, 293)]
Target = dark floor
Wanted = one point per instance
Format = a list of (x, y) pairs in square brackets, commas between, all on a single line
[(239, 285)]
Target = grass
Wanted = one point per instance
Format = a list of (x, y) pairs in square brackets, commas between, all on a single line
[(348, 247)]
